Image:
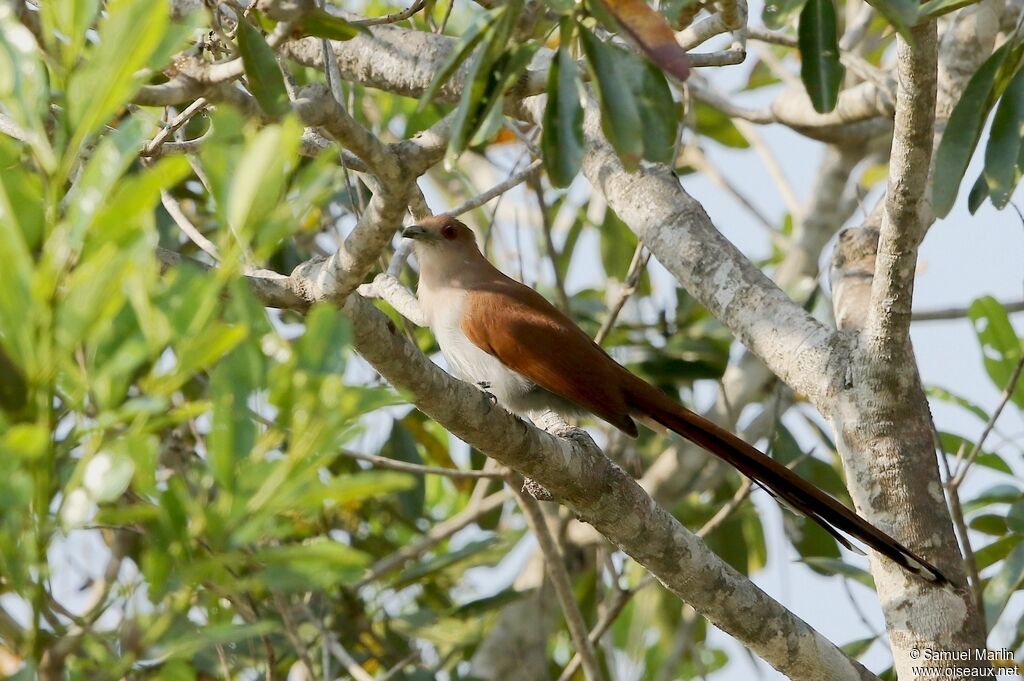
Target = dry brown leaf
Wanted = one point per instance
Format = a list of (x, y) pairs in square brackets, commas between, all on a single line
[(652, 34)]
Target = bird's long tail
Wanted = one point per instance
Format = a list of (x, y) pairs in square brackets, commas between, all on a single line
[(775, 478)]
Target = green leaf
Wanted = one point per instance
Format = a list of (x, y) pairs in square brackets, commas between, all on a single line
[(16, 305), (659, 114), (1000, 346), (321, 349), (442, 561), (131, 36), (467, 43), (979, 192), (835, 566), (990, 554), (215, 341), (261, 68), (322, 552), (1015, 518), (989, 523), (364, 485), (323, 24), (1002, 585), (25, 441), (962, 133), (857, 648), (1004, 142), (953, 443), (493, 71), (23, 85), (936, 8), (561, 140), (618, 242), (939, 393), (996, 494), (620, 113), (233, 432), (718, 126), (214, 635), (259, 180), (820, 69), (71, 21), (901, 14), (508, 67)]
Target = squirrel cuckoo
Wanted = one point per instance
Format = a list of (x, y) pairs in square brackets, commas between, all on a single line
[(506, 338)]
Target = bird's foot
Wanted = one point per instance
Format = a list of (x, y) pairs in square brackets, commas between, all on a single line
[(485, 386)]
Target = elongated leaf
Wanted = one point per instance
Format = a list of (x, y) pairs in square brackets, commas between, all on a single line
[(714, 124), (323, 24), (508, 68), (265, 79), (978, 194), (1004, 143), (444, 560), (820, 69), (938, 393), (834, 566), (858, 647), (990, 554), (962, 133), (659, 114), (901, 14), (467, 43), (953, 444), (71, 21), (1000, 346), (620, 114), (131, 36), (363, 485), (233, 431), (481, 93), (23, 85), (652, 34), (1003, 584), (936, 8), (561, 140), (259, 179)]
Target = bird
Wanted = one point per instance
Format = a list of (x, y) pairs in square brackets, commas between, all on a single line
[(509, 340)]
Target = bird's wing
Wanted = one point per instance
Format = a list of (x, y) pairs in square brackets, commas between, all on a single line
[(530, 336)]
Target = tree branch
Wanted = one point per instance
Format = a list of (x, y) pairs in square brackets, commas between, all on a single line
[(887, 326)]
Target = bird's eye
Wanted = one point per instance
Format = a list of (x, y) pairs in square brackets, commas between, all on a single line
[(449, 232)]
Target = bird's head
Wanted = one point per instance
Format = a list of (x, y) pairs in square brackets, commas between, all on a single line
[(441, 233)]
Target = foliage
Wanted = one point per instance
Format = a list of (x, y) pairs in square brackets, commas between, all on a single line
[(998, 85), (202, 452)]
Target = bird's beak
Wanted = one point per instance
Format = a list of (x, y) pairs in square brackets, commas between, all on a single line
[(414, 232)]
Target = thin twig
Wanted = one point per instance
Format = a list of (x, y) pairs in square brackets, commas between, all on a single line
[(402, 664), (958, 312), (641, 256), (956, 511), (1008, 391), (338, 651), (498, 189), (385, 462), (560, 579), (392, 18), (473, 511), (775, 171), (549, 243), (153, 146), (173, 208)]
